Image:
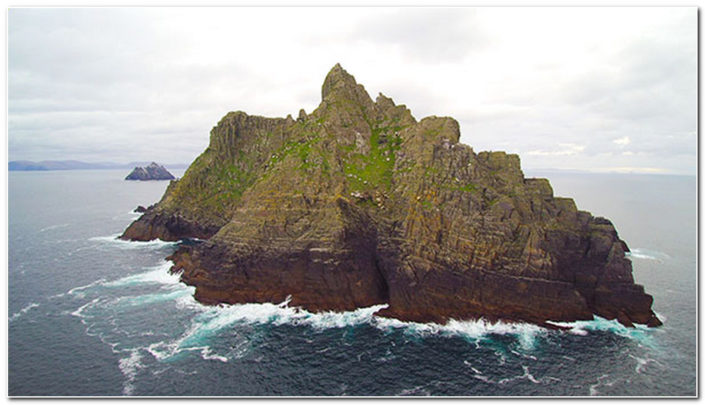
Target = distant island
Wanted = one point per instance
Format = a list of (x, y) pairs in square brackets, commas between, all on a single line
[(153, 171), (26, 165), (359, 204)]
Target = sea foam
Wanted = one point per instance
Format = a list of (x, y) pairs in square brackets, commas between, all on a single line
[(207, 321), (130, 366), (639, 333), (132, 244), (52, 227), (647, 254), (22, 311), (155, 275)]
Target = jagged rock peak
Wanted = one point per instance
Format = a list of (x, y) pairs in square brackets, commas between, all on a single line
[(341, 84), (153, 171), (336, 78), (384, 101)]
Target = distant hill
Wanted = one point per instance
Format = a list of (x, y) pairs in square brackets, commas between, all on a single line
[(26, 165), (152, 172)]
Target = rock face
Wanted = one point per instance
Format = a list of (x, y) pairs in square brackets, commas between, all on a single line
[(358, 203), (151, 172)]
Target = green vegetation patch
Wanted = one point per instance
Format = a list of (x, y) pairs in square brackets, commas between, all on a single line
[(366, 172)]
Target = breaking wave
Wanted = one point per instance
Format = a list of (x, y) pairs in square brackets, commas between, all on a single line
[(647, 254), (129, 367), (156, 275), (22, 311), (131, 244), (52, 227), (107, 308), (639, 333), (471, 330)]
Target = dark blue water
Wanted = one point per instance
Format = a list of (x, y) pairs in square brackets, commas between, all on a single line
[(90, 315)]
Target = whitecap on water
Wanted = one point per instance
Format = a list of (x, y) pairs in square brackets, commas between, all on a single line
[(52, 227), (132, 244), (155, 275), (639, 332), (418, 390), (148, 299), (474, 330), (129, 366), (22, 311), (642, 363), (209, 321), (647, 254), (600, 383)]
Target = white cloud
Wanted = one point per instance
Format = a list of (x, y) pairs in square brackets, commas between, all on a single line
[(91, 84), (624, 141), (564, 150)]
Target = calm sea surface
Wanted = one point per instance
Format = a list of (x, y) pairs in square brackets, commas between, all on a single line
[(91, 315)]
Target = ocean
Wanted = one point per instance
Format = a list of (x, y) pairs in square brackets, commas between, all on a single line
[(90, 315)]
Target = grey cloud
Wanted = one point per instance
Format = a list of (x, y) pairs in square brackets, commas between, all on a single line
[(115, 83), (426, 34)]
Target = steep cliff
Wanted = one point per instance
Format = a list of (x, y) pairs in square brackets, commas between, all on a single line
[(359, 204)]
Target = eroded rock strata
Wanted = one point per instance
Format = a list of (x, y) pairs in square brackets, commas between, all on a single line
[(358, 203)]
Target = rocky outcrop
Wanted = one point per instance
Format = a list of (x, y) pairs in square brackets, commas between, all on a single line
[(358, 203), (151, 172)]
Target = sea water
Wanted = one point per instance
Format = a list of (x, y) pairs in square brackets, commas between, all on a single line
[(92, 315)]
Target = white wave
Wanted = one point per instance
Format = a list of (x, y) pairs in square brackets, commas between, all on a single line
[(641, 363), (22, 311), (79, 312), (213, 319), (525, 376), (129, 367), (83, 287), (639, 253), (52, 227), (222, 316), (526, 356), (206, 354), (639, 332), (418, 390), (388, 355), (132, 215), (132, 244), (593, 387), (662, 317), (483, 378), (326, 320), (154, 298), (474, 370), (474, 330), (155, 275)]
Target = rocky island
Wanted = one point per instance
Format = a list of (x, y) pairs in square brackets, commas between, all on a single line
[(151, 172), (358, 203)]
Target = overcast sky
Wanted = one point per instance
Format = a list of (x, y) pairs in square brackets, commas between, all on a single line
[(602, 89)]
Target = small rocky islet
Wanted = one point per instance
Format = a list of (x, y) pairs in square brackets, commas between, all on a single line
[(153, 171), (359, 204)]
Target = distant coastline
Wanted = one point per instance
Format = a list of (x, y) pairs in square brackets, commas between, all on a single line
[(45, 165)]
